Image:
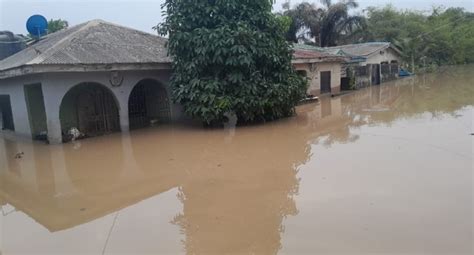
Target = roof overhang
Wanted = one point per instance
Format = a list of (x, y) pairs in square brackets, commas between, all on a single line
[(38, 69), (388, 46)]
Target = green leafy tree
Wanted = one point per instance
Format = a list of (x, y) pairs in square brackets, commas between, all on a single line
[(56, 25), (440, 38), (230, 57)]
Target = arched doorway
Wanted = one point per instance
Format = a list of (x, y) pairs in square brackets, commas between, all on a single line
[(148, 104), (91, 108)]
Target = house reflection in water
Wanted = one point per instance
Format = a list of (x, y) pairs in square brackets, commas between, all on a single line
[(236, 191)]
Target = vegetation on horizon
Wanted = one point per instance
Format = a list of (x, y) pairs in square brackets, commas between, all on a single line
[(442, 37), (55, 25)]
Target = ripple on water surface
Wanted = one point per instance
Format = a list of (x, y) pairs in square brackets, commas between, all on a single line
[(386, 169)]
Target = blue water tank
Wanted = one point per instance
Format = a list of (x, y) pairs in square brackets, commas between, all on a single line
[(10, 44)]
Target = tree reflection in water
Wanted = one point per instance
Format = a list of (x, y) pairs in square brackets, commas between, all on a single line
[(236, 186)]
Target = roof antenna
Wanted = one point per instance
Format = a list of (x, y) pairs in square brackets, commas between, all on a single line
[(37, 26)]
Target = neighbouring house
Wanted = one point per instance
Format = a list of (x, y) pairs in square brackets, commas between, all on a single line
[(321, 68), (369, 63), (96, 77)]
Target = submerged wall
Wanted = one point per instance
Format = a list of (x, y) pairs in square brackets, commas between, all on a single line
[(14, 88), (56, 85), (313, 73), (388, 55)]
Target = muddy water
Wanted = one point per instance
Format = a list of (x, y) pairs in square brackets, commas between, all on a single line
[(385, 170)]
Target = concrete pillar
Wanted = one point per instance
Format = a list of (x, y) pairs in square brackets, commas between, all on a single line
[(52, 104), (21, 121), (124, 121), (121, 95), (53, 123)]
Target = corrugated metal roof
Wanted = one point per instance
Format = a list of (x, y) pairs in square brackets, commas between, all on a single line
[(357, 52), (299, 46), (302, 51), (362, 49), (308, 54), (93, 42)]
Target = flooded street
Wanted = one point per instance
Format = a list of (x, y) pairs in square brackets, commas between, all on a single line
[(384, 170)]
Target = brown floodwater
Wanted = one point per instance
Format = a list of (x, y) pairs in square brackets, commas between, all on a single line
[(384, 170)]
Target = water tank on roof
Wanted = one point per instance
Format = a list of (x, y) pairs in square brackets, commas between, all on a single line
[(10, 44)]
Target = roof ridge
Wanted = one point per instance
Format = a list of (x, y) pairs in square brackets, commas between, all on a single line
[(129, 28), (62, 43), (381, 48), (363, 43)]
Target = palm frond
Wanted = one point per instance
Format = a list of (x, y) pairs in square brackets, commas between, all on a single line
[(326, 3)]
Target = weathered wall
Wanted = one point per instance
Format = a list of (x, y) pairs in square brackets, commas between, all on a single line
[(55, 86), (313, 72), (14, 88), (387, 55)]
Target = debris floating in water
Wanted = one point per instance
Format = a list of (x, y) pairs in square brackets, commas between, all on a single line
[(376, 110), (309, 99), (19, 155)]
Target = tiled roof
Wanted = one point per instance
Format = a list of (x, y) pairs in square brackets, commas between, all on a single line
[(93, 42)]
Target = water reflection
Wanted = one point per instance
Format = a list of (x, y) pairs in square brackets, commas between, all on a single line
[(237, 187)]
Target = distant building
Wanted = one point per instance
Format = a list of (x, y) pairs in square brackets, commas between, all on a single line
[(321, 68), (370, 63), (365, 64), (369, 53)]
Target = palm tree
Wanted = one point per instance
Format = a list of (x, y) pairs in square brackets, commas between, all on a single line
[(305, 19), (326, 26), (337, 23)]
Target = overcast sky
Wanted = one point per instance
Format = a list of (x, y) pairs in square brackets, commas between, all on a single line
[(144, 14)]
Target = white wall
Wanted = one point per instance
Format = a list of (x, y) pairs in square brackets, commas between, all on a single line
[(386, 55), (14, 88), (56, 85), (313, 72)]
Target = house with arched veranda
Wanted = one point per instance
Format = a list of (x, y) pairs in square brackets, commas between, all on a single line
[(96, 77)]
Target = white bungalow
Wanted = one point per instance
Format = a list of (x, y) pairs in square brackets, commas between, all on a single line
[(97, 77)]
